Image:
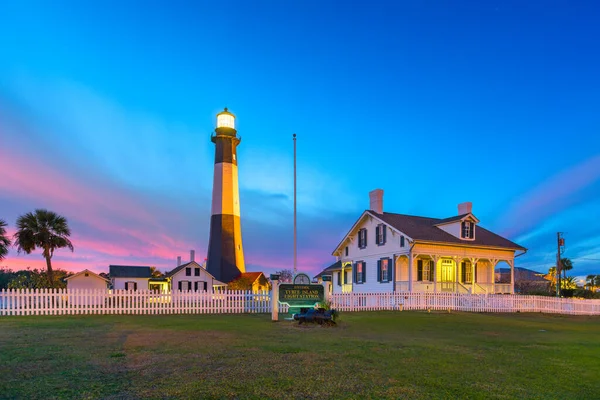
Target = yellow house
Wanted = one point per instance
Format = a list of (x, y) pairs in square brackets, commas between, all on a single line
[(385, 252)]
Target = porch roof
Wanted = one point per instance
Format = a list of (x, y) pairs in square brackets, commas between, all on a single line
[(425, 229)]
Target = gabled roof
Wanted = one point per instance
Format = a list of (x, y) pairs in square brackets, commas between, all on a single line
[(456, 219), (191, 264), (333, 267), (425, 229), (251, 276), (129, 271), (89, 272)]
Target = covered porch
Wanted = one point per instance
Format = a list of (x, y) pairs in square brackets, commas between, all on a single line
[(431, 272)]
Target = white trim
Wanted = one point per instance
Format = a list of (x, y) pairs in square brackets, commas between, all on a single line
[(88, 271), (350, 232)]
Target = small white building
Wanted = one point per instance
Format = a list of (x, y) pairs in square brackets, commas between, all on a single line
[(130, 277), (191, 277), (86, 280)]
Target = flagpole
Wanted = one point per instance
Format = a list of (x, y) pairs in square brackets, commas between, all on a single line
[(295, 232)]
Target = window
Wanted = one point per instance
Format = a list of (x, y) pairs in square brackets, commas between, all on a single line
[(184, 285), (360, 272), (466, 272), (196, 271), (130, 285), (346, 251), (380, 233), (425, 270), (384, 270), (362, 238), (402, 241), (467, 230), (188, 272)]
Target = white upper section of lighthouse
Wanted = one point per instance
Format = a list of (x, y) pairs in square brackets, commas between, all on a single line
[(225, 120)]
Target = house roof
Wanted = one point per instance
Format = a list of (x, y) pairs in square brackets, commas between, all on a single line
[(191, 264), (451, 219), (333, 267), (425, 229), (251, 276), (89, 272), (129, 271), (524, 274)]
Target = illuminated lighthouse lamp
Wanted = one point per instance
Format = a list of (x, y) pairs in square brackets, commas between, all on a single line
[(225, 119)]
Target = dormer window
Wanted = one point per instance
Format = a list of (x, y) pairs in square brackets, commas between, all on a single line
[(467, 230)]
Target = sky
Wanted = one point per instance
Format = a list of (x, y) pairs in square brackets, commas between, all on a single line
[(106, 112)]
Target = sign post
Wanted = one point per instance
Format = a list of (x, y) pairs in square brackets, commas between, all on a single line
[(275, 297)]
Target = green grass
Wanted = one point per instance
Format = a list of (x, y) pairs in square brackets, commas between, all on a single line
[(368, 355)]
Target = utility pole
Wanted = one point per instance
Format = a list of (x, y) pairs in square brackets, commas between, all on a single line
[(295, 234), (559, 242)]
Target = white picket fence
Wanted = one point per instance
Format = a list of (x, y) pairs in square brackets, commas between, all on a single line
[(63, 301), (463, 302)]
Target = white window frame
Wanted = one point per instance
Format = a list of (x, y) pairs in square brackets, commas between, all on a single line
[(359, 273), (384, 271), (379, 238)]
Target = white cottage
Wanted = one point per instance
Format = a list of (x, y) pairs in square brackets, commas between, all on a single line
[(86, 280), (130, 277), (388, 252), (192, 277)]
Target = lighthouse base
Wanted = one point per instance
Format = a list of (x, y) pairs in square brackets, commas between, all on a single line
[(225, 252)]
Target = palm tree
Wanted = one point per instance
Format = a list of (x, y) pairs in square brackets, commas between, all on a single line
[(566, 265), (45, 230), (4, 240), (592, 281)]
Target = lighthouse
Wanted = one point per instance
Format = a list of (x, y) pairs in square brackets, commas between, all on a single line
[(225, 251)]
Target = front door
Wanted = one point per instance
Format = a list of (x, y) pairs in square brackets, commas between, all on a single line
[(447, 275)]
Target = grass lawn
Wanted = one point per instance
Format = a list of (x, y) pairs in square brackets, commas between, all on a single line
[(369, 355)]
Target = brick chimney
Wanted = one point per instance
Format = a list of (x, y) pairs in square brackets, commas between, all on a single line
[(192, 255), (178, 261), (376, 197), (465, 208)]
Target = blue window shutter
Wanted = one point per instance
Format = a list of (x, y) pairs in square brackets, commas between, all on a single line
[(205, 286), (365, 241), (475, 273), (179, 286), (462, 229), (134, 285), (339, 274), (196, 286), (355, 272), (377, 235), (419, 270), (402, 241), (463, 272), (378, 270), (384, 234), (471, 230), (390, 269)]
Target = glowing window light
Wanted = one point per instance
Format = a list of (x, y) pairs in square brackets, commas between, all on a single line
[(225, 121)]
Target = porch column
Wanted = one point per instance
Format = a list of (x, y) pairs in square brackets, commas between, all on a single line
[(410, 271), (512, 275), (473, 262), (493, 263), (435, 258), (456, 261)]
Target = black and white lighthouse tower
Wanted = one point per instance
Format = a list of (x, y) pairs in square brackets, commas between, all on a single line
[(225, 251)]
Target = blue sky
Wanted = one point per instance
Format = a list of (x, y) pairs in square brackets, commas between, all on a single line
[(106, 112)]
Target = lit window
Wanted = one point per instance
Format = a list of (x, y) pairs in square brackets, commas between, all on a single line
[(360, 272), (384, 270)]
